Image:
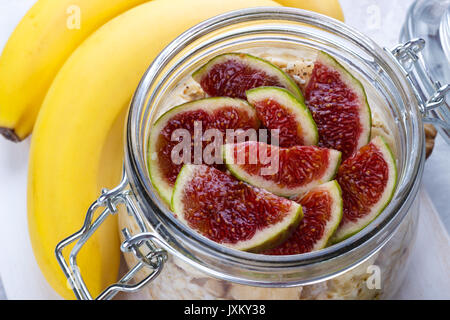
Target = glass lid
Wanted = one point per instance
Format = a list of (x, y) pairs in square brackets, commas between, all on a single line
[(430, 21)]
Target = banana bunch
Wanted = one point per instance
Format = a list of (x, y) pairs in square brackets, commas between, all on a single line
[(74, 87)]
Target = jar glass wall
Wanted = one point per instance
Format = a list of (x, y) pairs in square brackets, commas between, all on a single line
[(378, 277)]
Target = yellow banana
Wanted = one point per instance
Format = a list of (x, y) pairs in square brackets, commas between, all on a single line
[(330, 8), (68, 154), (41, 43)]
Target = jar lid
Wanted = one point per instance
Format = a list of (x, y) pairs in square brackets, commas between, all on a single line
[(428, 22)]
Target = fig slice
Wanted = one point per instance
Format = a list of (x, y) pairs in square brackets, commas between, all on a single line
[(322, 209), (231, 212), (368, 181), (220, 113), (283, 171), (277, 108), (339, 106), (231, 74)]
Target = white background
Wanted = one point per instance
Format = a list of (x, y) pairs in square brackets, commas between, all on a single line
[(381, 20)]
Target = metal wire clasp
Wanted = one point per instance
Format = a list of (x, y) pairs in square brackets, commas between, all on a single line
[(407, 53), (150, 257), (433, 107), (438, 98)]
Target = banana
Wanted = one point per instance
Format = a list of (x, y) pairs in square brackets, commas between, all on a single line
[(72, 155), (41, 43), (330, 8)]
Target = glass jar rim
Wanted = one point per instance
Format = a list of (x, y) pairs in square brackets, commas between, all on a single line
[(379, 230)]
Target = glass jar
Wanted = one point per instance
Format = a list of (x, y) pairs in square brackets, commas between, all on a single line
[(179, 262)]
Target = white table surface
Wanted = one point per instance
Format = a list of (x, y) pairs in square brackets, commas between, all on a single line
[(429, 273)]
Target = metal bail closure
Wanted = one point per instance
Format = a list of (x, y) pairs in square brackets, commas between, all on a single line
[(142, 245), (430, 94), (407, 53)]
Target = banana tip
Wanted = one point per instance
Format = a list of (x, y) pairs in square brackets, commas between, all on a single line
[(9, 134)]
